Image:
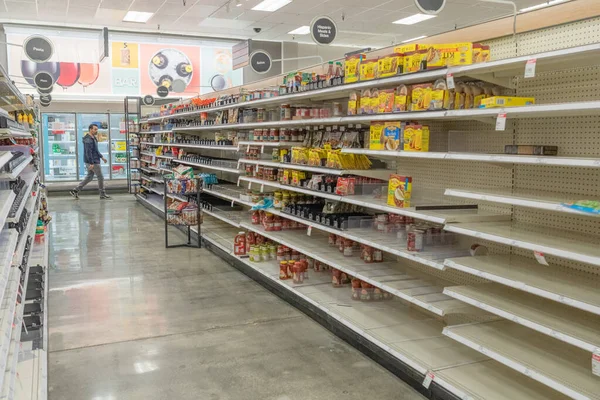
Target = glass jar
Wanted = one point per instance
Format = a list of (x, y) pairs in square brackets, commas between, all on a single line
[(285, 113)]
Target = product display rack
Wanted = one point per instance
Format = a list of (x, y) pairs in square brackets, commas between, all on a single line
[(23, 254), (500, 326)]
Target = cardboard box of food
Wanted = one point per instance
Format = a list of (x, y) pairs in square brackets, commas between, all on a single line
[(399, 191), (506, 101)]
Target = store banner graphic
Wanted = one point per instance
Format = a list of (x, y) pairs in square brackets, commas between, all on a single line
[(135, 68)]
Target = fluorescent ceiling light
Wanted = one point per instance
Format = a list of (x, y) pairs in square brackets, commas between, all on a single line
[(415, 38), (271, 5), (413, 19), (303, 30), (137, 16), (542, 5)]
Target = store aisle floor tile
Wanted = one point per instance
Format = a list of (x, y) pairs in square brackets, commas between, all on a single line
[(130, 319)]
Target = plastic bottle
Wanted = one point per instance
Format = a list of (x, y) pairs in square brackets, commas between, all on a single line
[(239, 244)]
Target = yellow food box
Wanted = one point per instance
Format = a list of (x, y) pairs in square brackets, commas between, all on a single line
[(120, 146), (481, 53), (416, 138), (407, 48), (506, 101), (368, 70), (442, 55), (388, 65), (421, 97), (399, 191), (377, 139), (414, 61), (352, 68)]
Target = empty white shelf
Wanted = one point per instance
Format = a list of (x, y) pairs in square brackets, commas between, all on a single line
[(564, 244), (549, 201), (560, 321), (558, 365), (529, 276)]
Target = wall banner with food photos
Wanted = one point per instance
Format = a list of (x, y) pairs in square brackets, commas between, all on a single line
[(136, 67)]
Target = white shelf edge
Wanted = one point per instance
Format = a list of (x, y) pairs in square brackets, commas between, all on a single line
[(28, 187), (193, 146), (227, 197), (222, 218), (522, 321), (515, 200), (153, 190), (515, 365), (571, 255), (17, 171), (5, 157), (207, 166), (5, 207), (449, 263)]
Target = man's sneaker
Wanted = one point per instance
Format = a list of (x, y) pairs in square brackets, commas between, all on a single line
[(75, 194), (105, 197)]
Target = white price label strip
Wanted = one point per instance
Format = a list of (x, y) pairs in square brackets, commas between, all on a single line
[(501, 122), (596, 362), (262, 188), (450, 81), (238, 182), (309, 230), (530, 68), (249, 185), (248, 148), (262, 149), (539, 256), (429, 377), (232, 203)]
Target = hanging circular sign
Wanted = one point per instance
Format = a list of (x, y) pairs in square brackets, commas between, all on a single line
[(45, 98), (430, 6), (45, 91), (323, 30), (148, 100), (43, 80), (44, 104), (38, 48), (162, 91), (260, 62)]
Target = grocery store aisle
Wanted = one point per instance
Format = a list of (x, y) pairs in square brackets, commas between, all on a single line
[(129, 319)]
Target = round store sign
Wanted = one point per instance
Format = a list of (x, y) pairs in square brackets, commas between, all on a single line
[(43, 80), (45, 98), (323, 30), (148, 100), (430, 6), (260, 62), (162, 91), (45, 91), (38, 49)]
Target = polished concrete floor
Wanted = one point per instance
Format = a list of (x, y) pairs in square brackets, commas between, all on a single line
[(129, 319)]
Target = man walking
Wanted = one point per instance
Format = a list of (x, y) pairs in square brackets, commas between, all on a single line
[(91, 158)]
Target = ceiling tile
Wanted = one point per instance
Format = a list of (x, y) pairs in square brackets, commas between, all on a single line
[(288, 18), (108, 15), (115, 4), (201, 11), (19, 9), (224, 13), (145, 6)]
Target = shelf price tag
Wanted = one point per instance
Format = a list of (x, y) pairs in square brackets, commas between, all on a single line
[(249, 185), (501, 122), (530, 68), (429, 377), (539, 256), (262, 187), (596, 362), (232, 203), (239, 179), (248, 149), (262, 149), (309, 231), (450, 81)]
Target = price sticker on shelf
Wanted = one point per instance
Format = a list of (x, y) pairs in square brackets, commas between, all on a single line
[(309, 231), (530, 68), (262, 187), (153, 159), (262, 149), (501, 122), (429, 377), (450, 81), (596, 362), (239, 179), (249, 185), (238, 165), (248, 149), (232, 203), (539, 256)]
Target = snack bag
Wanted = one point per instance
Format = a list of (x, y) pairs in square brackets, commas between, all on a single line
[(376, 136), (399, 191)]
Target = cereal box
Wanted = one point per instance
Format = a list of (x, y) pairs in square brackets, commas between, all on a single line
[(506, 101), (399, 191), (416, 138)]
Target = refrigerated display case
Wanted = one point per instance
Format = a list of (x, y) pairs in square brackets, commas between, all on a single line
[(60, 147), (118, 145), (83, 123)]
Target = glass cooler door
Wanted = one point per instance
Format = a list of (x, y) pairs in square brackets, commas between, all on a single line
[(118, 144), (83, 123), (60, 147)]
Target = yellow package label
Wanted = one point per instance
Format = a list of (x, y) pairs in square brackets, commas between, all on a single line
[(421, 97), (413, 62), (365, 105), (376, 137), (351, 69), (388, 66), (416, 138), (368, 70), (352, 107), (437, 99), (399, 191), (477, 100), (442, 55), (120, 146), (506, 101), (406, 48), (400, 103)]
